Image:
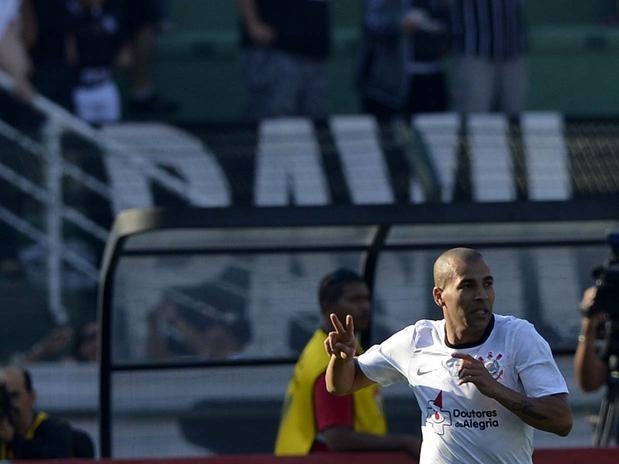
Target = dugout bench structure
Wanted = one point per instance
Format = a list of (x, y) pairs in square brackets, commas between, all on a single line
[(284, 252)]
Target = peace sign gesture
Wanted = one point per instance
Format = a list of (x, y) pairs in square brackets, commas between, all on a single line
[(341, 342)]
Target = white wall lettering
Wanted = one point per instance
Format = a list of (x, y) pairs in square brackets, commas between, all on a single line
[(358, 142), (203, 181), (546, 157), (288, 164)]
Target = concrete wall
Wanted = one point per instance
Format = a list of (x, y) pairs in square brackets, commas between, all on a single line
[(152, 409)]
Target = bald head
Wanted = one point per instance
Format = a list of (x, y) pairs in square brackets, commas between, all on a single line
[(445, 265), (18, 384), (14, 375)]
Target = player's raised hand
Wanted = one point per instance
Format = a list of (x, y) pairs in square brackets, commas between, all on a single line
[(341, 341)]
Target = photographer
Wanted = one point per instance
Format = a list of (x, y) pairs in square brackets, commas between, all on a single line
[(590, 368), (596, 360), (24, 432)]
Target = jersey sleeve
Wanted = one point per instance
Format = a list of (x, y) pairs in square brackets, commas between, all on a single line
[(536, 366), (387, 362), (331, 410)]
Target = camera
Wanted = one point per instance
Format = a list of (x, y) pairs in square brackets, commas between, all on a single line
[(607, 282), (606, 301), (6, 405)]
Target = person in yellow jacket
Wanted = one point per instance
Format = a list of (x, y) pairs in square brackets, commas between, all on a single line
[(314, 420)]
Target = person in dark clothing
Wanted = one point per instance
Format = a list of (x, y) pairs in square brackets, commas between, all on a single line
[(401, 70), (285, 45), (48, 52), (96, 46), (24, 432), (489, 56), (144, 21), (208, 321)]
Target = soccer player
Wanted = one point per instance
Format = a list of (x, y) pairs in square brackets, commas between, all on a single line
[(483, 381)]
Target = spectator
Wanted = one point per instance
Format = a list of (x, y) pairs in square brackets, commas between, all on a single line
[(312, 419), (176, 330), (206, 321), (145, 19), (52, 347), (401, 70), (51, 69), (489, 56), (95, 48), (14, 58), (483, 381), (61, 344), (86, 346), (284, 49), (24, 432)]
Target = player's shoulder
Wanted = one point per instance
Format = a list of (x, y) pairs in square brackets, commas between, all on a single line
[(512, 323), (428, 324), (424, 327), (409, 330)]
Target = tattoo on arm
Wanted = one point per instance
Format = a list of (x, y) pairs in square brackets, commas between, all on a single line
[(525, 408)]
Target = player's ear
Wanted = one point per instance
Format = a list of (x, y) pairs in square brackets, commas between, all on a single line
[(437, 295)]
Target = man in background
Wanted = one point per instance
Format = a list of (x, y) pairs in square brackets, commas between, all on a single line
[(24, 432), (400, 70), (489, 50), (312, 419), (284, 49)]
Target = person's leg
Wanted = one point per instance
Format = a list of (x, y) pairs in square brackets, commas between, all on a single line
[(314, 89), (513, 85), (287, 82), (428, 93), (254, 70), (52, 78), (377, 109), (271, 79), (145, 19), (473, 85), (142, 61)]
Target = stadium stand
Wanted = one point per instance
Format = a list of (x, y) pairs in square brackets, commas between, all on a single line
[(572, 65), (75, 179)]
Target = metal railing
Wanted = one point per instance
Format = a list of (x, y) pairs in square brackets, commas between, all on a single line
[(48, 153)]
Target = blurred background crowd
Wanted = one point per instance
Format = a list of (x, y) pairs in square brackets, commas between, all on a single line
[(112, 60)]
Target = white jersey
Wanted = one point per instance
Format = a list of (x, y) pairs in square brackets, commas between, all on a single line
[(459, 424)]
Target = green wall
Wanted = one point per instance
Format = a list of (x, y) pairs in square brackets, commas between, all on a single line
[(543, 12)]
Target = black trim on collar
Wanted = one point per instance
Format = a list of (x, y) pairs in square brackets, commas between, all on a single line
[(483, 338)]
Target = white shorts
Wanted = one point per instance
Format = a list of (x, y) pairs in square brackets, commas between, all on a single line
[(98, 104)]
